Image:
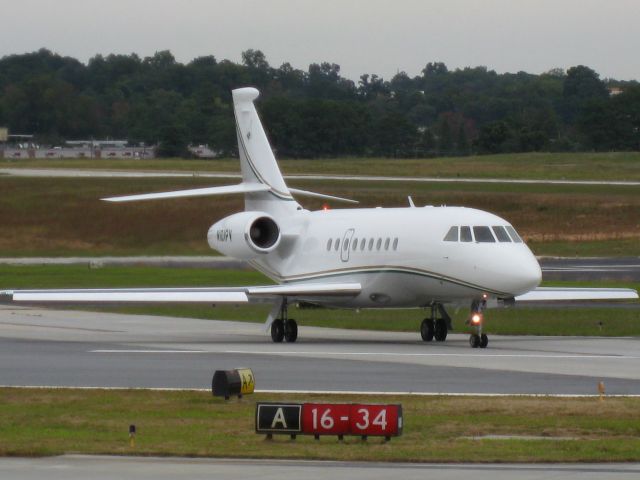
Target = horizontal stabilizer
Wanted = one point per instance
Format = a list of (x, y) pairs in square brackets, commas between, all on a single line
[(181, 295), (225, 190), (196, 192), (306, 193), (552, 294)]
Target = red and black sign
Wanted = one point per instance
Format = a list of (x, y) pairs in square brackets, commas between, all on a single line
[(330, 419)]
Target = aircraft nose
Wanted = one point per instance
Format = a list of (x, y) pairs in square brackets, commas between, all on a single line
[(527, 273)]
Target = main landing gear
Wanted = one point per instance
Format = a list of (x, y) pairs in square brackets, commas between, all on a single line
[(476, 319), (284, 328), (434, 327)]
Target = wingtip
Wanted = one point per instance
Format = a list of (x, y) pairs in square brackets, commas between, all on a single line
[(6, 296)]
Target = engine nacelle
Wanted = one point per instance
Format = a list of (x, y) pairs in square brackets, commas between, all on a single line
[(245, 235)]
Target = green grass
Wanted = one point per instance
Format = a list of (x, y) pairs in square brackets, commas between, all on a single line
[(518, 321), (38, 422), (557, 166), (65, 217)]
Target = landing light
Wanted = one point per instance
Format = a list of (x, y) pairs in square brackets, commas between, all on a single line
[(476, 318)]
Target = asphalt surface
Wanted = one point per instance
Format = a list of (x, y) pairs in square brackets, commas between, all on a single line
[(79, 173), (42, 347), (73, 467), (622, 269)]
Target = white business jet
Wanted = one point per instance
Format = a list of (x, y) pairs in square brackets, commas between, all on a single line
[(427, 257)]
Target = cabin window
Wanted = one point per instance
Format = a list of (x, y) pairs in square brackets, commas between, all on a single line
[(329, 244), (345, 245), (370, 244), (337, 244), (514, 235), (378, 244), (386, 243), (452, 235), (354, 245), (363, 243), (395, 243), (465, 234), (483, 235), (501, 234)]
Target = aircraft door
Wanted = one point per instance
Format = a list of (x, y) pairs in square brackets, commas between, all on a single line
[(346, 245)]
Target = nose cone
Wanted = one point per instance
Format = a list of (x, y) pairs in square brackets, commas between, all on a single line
[(526, 273)]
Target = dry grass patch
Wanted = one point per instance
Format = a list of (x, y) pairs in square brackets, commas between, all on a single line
[(47, 422)]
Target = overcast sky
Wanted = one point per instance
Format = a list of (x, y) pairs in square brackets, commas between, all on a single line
[(368, 36)]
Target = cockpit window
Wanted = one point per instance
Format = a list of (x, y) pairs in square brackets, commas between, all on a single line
[(501, 234), (465, 234), (514, 235), (483, 235), (452, 235)]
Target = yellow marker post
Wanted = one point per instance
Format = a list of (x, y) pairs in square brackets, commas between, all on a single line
[(601, 390), (248, 381), (132, 436)]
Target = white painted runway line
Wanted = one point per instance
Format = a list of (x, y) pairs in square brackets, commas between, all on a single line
[(331, 392), (368, 354), (150, 351)]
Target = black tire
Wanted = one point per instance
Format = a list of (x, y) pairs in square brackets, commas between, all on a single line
[(277, 331), (484, 341), (474, 340), (427, 329), (290, 331), (440, 333)]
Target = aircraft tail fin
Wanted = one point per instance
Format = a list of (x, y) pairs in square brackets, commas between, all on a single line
[(262, 184), (257, 162)]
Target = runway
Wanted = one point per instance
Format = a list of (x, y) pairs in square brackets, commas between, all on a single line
[(80, 173), (621, 269), (71, 467), (42, 347)]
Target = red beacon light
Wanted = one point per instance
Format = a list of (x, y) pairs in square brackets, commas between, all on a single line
[(325, 207)]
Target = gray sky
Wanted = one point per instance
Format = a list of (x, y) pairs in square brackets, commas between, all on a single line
[(369, 36)]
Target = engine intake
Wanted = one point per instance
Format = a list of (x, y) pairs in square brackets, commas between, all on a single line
[(245, 235), (264, 232)]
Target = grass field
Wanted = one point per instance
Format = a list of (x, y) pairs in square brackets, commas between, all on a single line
[(519, 321), (64, 216), (436, 429), (558, 166)]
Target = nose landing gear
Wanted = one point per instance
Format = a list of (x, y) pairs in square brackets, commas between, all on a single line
[(476, 319)]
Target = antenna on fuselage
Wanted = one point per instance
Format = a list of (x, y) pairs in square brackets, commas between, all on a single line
[(411, 204)]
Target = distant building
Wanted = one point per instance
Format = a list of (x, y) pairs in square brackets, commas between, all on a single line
[(98, 143), (613, 91)]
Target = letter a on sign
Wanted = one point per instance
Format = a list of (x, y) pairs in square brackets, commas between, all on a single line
[(279, 418)]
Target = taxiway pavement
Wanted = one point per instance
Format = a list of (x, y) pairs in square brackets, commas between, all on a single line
[(42, 347), (94, 173), (71, 467)]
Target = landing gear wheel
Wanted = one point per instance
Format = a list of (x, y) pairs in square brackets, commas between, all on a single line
[(290, 331), (277, 331), (474, 340), (440, 333), (427, 329), (484, 341)]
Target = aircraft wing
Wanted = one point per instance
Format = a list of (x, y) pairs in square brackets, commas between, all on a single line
[(233, 295), (551, 294)]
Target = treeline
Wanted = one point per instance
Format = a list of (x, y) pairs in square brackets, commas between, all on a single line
[(316, 112)]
